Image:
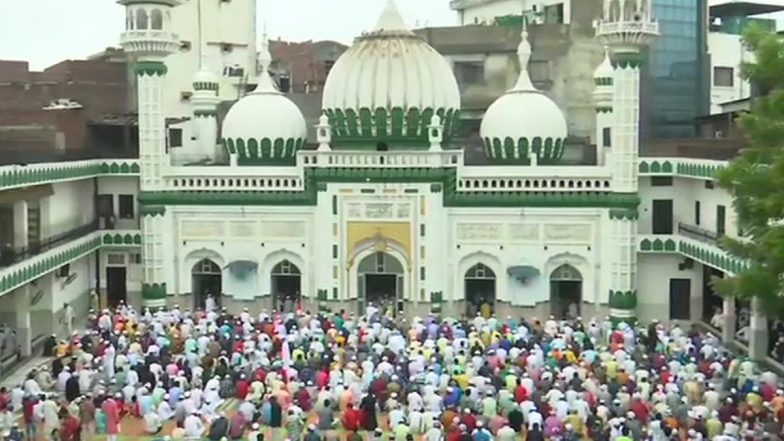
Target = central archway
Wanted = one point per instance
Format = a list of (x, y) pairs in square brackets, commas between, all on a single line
[(380, 282), (480, 290), (566, 292), (207, 279), (286, 283)]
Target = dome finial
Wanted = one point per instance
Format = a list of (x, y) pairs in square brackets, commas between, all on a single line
[(524, 54), (390, 19), (265, 60)]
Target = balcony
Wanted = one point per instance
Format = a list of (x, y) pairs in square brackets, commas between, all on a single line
[(10, 256), (699, 234), (393, 159), (150, 41)]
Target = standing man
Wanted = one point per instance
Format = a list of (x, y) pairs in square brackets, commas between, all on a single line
[(209, 303), (68, 318)]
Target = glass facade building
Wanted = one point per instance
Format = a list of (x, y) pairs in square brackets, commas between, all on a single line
[(676, 89)]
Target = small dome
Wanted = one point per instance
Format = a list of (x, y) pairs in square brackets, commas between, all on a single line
[(388, 85), (264, 127), (603, 79), (524, 120), (205, 79)]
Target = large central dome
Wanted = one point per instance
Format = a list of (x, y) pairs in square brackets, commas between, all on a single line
[(386, 88)]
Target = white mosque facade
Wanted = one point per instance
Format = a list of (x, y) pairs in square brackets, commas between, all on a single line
[(385, 208)]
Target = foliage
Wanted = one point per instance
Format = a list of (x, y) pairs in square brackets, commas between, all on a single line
[(756, 180)]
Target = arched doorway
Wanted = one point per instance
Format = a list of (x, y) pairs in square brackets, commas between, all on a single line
[(207, 278), (380, 282), (479, 290), (286, 283), (566, 292)]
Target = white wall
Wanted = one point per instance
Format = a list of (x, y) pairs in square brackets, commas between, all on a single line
[(222, 22), (116, 186), (653, 285), (726, 50), (72, 205)]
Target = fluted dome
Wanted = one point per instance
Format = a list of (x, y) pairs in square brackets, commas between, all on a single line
[(264, 127), (387, 86), (603, 79), (524, 120)]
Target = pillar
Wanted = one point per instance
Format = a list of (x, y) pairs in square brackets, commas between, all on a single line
[(154, 285), (758, 337), (623, 266), (729, 320), (20, 225), (23, 324)]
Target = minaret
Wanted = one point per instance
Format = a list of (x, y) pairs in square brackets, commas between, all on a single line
[(205, 100), (626, 29), (603, 102), (149, 40)]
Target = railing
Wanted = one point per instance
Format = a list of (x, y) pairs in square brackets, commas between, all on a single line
[(534, 184), (149, 35), (627, 27), (697, 233), (391, 159), (236, 183), (10, 256)]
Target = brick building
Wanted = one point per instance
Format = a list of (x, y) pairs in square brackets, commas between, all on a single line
[(303, 67)]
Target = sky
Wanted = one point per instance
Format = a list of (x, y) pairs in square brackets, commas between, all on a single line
[(55, 30)]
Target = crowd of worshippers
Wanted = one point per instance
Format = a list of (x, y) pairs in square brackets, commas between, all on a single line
[(207, 374)]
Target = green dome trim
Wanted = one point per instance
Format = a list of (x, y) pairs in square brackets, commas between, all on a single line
[(400, 128), (265, 151), (624, 213), (631, 60), (515, 152), (151, 68), (603, 81), (623, 299), (602, 109), (201, 85), (153, 291), (205, 113)]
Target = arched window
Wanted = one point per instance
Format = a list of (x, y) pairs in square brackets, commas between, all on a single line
[(566, 273), (129, 20), (141, 19), (206, 267), (285, 268), (630, 10), (480, 271), (156, 20), (615, 10)]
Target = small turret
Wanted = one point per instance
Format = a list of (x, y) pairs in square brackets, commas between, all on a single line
[(148, 34)]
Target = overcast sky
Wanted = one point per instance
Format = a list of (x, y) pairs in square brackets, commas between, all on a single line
[(45, 32)]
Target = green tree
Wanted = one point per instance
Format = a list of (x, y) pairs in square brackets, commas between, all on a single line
[(755, 178)]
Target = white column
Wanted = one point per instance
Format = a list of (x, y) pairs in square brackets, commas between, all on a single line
[(20, 224), (152, 128), (22, 325), (207, 134), (729, 317), (604, 119), (625, 126), (154, 287), (758, 338), (623, 266)]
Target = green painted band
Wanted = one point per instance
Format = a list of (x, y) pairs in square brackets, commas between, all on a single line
[(151, 68)]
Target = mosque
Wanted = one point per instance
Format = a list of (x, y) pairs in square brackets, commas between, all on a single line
[(385, 209)]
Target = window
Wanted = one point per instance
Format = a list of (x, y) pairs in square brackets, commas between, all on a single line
[(126, 206), (156, 20), (284, 84), (421, 273), (328, 65), (709, 185), (721, 214), (723, 76), (697, 212), (554, 14), (64, 271), (175, 137), (607, 137), (662, 216), (469, 73), (115, 259), (422, 230), (661, 181)]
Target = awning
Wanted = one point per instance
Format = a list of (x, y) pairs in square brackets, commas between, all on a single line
[(523, 273), (241, 269)]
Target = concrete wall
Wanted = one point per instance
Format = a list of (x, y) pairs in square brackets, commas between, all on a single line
[(117, 186), (72, 205), (653, 286), (486, 12), (727, 50)]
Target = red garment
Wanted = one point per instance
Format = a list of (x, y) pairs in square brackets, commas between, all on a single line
[(351, 419), (469, 419), (521, 394), (237, 426), (641, 412), (453, 435), (243, 387), (27, 409), (112, 410), (303, 398), (3, 402), (71, 429), (322, 379)]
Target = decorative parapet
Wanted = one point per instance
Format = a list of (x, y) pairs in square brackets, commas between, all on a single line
[(37, 266), (17, 176), (701, 252), (681, 167)]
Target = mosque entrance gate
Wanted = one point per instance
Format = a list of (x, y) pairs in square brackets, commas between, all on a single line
[(380, 282), (566, 292), (207, 278), (479, 290), (286, 283)]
